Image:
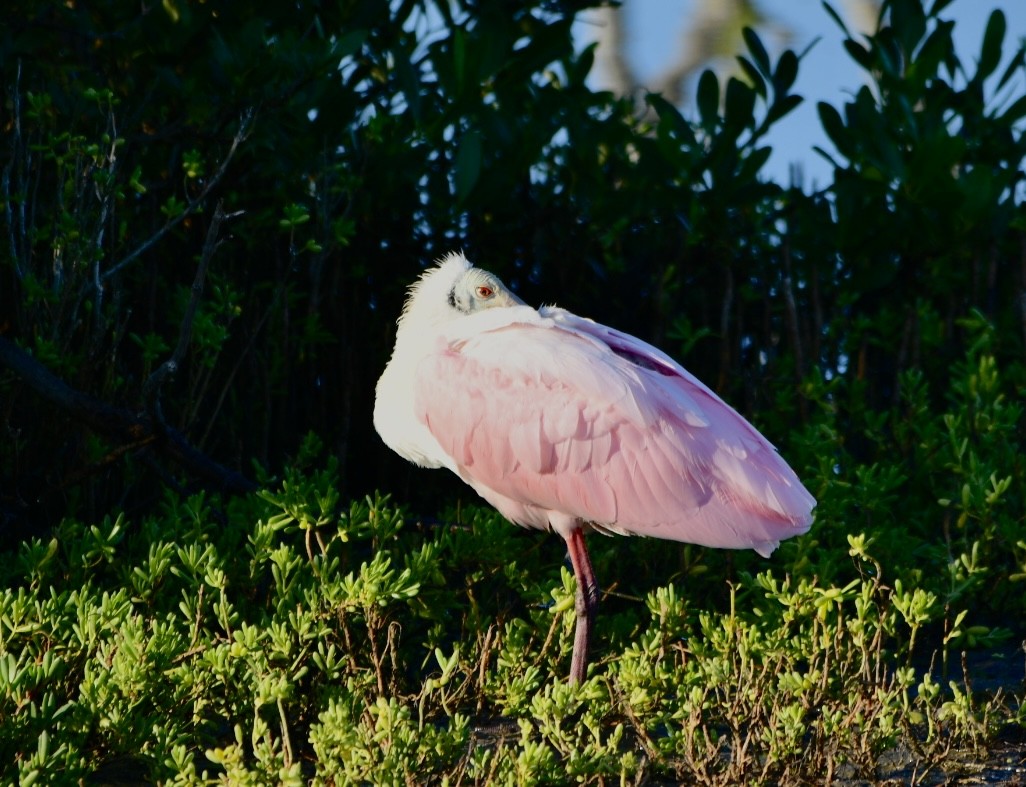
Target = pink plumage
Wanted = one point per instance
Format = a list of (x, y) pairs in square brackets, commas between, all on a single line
[(560, 422)]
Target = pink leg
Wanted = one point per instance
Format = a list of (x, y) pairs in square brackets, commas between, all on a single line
[(587, 603)]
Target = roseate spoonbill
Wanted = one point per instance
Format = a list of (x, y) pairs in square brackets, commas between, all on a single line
[(564, 424)]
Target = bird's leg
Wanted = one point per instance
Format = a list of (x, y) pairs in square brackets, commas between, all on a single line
[(587, 602)]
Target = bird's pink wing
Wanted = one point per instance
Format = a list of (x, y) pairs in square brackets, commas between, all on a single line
[(562, 418)]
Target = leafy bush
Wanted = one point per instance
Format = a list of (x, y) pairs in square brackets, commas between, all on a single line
[(288, 636)]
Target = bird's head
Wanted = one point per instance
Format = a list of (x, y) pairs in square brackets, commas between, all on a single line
[(453, 289)]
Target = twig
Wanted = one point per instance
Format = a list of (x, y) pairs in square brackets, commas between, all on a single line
[(556, 620), (395, 631), (151, 388), (244, 124), (16, 225), (199, 616), (286, 740), (651, 751), (482, 667), (794, 329), (240, 357), (725, 307), (375, 655), (106, 199)]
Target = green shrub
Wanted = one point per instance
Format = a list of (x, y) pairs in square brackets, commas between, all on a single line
[(290, 637)]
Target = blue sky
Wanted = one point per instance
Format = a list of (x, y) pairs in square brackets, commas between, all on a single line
[(826, 74)]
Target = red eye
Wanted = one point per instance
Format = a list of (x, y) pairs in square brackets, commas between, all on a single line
[(485, 292)]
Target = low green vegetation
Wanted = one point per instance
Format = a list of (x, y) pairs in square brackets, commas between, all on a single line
[(292, 637)]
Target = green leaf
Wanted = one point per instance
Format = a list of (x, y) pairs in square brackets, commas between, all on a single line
[(993, 38), (759, 54), (1015, 112), (837, 18), (833, 162), (750, 71), (787, 71), (708, 99), (577, 70), (468, 164), (1017, 62), (939, 6), (781, 108), (739, 107), (908, 23), (350, 42), (754, 163), (933, 52), (859, 53), (670, 116), (459, 58), (835, 129), (409, 83)]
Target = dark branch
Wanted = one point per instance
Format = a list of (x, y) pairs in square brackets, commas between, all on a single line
[(119, 424), (152, 386), (194, 204)]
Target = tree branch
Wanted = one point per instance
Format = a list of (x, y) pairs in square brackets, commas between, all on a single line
[(117, 423), (151, 388), (244, 123), (15, 223)]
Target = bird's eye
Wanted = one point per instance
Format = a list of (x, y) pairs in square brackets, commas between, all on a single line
[(485, 292)]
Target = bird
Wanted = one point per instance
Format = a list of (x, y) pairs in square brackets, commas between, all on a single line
[(567, 425)]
